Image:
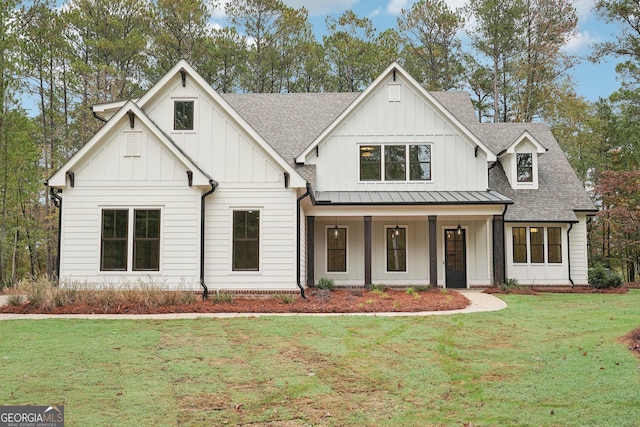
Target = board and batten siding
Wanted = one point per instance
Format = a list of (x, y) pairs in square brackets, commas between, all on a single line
[(218, 142), (411, 120), (277, 263)]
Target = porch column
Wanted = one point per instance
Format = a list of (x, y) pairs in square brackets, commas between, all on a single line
[(367, 251), (433, 251), (311, 239), (498, 250)]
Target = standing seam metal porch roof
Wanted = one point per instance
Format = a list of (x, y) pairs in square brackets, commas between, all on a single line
[(410, 198)]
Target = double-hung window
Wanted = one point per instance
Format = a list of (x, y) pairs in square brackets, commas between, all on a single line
[(336, 249), (396, 249), (524, 167), (395, 162), (121, 246), (246, 240)]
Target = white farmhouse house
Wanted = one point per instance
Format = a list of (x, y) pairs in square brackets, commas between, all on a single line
[(188, 188)]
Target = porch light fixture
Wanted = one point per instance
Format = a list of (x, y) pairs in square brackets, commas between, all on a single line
[(335, 230), (396, 229), (459, 228)]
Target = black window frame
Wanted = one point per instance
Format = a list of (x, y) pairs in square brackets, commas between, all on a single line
[(417, 163), (246, 236), (536, 245), (337, 249), (555, 246), (396, 234), (524, 167), (116, 241), (395, 162), (183, 114), (146, 239), (370, 156), (519, 239)]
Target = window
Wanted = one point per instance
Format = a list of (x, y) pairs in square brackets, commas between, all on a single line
[(114, 253), (113, 246), (396, 249), (554, 244), (146, 240), (183, 115), (525, 167), (536, 237), (246, 240), (519, 244), (337, 249), (420, 162), (404, 162), (370, 157), (395, 162), (536, 245)]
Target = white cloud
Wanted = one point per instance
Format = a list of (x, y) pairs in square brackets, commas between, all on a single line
[(321, 7), (584, 9), (395, 6), (581, 40), (374, 13), (218, 12)]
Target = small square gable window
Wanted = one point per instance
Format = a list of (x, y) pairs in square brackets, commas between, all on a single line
[(183, 115)]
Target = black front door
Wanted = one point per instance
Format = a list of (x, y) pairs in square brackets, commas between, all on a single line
[(455, 258)]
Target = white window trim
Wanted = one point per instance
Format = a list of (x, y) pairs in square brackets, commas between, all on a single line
[(386, 249), (326, 250), (173, 113), (407, 179), (260, 241), (130, 227), (533, 185)]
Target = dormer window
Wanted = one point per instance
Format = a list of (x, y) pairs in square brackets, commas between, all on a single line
[(183, 115), (525, 167)]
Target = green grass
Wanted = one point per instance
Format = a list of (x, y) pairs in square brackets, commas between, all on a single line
[(547, 360)]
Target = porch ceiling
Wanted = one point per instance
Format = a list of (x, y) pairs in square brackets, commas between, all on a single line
[(410, 198)]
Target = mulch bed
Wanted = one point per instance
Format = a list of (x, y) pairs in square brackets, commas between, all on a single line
[(317, 301)]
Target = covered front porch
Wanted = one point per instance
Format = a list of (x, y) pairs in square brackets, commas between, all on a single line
[(448, 245)]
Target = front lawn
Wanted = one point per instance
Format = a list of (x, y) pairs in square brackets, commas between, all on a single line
[(546, 360)]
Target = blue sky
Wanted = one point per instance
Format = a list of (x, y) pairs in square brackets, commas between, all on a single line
[(592, 80)]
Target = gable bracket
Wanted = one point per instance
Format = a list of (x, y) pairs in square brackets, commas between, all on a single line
[(317, 150), (183, 75), (190, 178), (475, 151), (72, 178), (394, 75), (132, 118), (286, 179)]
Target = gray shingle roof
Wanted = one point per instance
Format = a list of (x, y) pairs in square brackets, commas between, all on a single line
[(290, 122)]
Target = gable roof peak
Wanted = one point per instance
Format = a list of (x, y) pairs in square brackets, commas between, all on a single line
[(394, 69)]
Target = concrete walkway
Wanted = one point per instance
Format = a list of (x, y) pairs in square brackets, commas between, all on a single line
[(480, 302)]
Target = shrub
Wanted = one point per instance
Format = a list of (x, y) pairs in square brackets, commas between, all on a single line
[(603, 278), (509, 284), (325, 283), (378, 288), (421, 288), (222, 297), (286, 298)]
